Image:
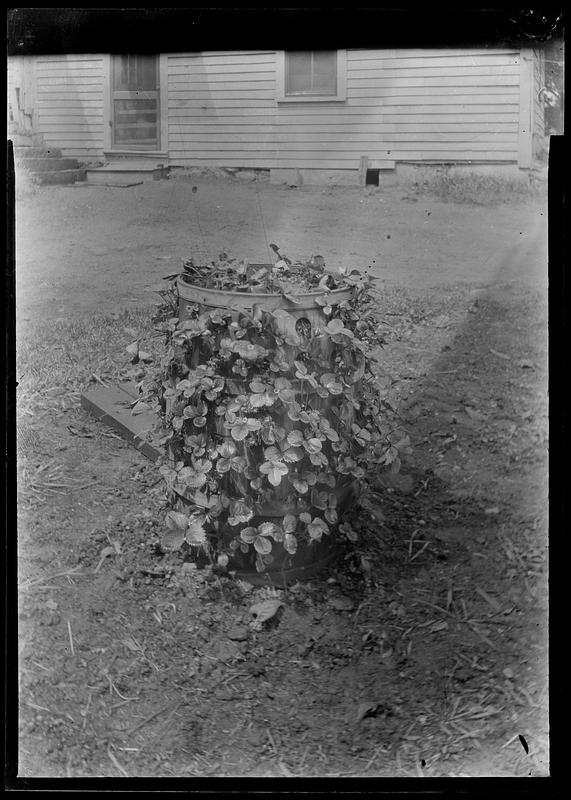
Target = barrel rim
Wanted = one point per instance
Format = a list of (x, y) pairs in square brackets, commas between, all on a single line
[(349, 290)]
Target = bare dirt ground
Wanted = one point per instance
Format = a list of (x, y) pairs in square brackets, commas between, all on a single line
[(433, 660)]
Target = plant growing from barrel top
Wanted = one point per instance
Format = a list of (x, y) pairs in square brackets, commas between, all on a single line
[(273, 418)]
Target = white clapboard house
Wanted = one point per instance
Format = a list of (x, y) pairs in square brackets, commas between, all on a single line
[(323, 115)]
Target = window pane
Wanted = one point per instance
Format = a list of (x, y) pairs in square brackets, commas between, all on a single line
[(135, 73), (313, 72), (298, 72), (325, 72), (135, 122), (324, 60), (299, 63)]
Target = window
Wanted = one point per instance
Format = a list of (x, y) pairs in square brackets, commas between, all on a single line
[(311, 75)]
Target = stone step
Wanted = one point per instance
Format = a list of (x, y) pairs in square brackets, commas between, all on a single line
[(29, 151), (49, 164), (124, 172), (62, 176)]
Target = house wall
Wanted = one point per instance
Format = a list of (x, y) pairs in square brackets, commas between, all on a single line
[(471, 106), (70, 103), (413, 105), (21, 93), (221, 109)]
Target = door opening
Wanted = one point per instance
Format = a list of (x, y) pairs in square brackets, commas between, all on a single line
[(135, 103)]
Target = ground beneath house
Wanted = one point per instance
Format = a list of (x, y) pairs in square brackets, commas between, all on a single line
[(424, 652)]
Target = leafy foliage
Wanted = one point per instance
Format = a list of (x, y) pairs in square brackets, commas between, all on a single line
[(260, 416)]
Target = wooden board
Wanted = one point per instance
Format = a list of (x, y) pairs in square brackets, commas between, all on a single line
[(111, 405)]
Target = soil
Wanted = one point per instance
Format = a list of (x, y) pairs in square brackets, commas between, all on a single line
[(423, 651)]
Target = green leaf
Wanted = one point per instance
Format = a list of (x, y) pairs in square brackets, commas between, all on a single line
[(169, 475), (176, 520), (223, 465), (295, 438), (201, 499), (318, 459), (335, 326), (290, 543), (331, 434), (261, 400), (262, 545), (259, 274), (310, 477), (249, 351), (195, 534), (317, 528), (305, 518), (292, 454), (348, 531), (240, 511), (172, 539), (301, 486), (331, 516), (248, 535), (191, 478), (238, 463), (227, 449), (275, 471), (312, 445), (331, 383), (319, 499), (267, 529), (289, 523), (239, 431), (294, 412)]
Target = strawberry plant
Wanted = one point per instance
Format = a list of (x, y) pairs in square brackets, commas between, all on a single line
[(271, 428)]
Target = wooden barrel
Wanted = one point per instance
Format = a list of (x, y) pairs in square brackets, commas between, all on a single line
[(311, 556)]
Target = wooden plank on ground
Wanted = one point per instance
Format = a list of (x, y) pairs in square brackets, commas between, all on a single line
[(112, 406)]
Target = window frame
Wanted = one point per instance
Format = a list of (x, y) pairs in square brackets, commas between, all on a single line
[(340, 95)]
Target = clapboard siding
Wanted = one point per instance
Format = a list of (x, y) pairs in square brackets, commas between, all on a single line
[(220, 90), (221, 108), (70, 103), (21, 85), (415, 93), (452, 105)]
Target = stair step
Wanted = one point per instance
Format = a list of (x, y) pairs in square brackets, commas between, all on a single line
[(49, 164), (124, 172), (29, 151), (60, 176)]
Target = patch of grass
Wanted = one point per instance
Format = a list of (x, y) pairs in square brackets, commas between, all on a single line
[(477, 189), (57, 360)]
